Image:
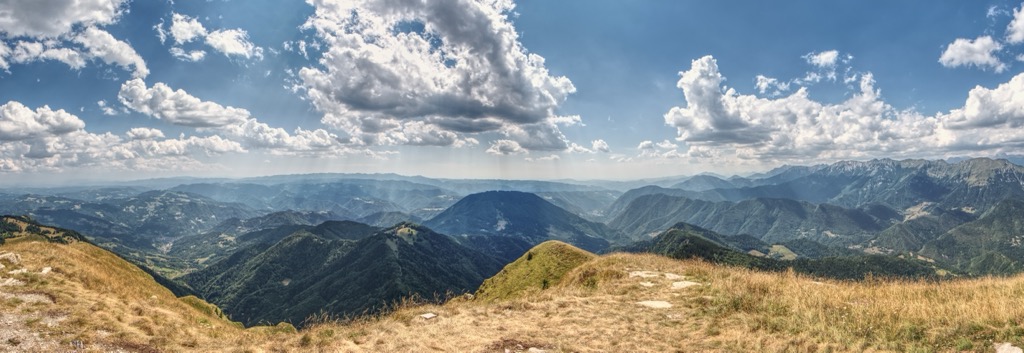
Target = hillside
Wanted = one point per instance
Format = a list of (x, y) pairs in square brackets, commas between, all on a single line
[(305, 274), (540, 268), (252, 286), (204, 249), (58, 291), (649, 303), (992, 244), (521, 215), (685, 241), (771, 220)]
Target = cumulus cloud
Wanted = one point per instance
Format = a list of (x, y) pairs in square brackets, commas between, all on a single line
[(44, 139), (825, 59), (595, 147), (25, 52), (234, 43), (18, 122), (254, 134), (770, 85), (1015, 30), (719, 123), (106, 108), (979, 52), (667, 145), (505, 147), (184, 29), (177, 106), (101, 45), (66, 31), (457, 65), (543, 136), (144, 133), (193, 55), (824, 66), (1000, 107), (236, 130), (50, 19)]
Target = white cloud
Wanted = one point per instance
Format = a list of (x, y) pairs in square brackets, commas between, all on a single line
[(543, 136), (101, 45), (824, 59), (177, 106), (234, 42), (568, 120), (193, 56), (53, 18), (770, 85), (505, 147), (595, 147), (193, 145), (645, 145), (237, 131), (718, 123), (979, 52), (667, 145), (185, 29), (25, 52), (465, 72), (1001, 107), (1015, 30), (18, 122), (144, 133), (548, 158), (106, 108), (576, 148), (50, 30), (55, 140)]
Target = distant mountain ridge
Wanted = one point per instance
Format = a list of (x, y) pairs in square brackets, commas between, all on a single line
[(978, 183), (771, 220)]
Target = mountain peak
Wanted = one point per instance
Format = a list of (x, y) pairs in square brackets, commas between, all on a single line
[(520, 215)]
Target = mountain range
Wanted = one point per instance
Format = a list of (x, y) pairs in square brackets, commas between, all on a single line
[(340, 245)]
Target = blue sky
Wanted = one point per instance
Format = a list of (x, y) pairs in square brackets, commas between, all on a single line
[(104, 89)]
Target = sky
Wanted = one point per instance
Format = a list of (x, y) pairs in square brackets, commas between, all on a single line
[(529, 89)]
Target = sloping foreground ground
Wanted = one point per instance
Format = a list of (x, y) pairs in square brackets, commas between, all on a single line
[(90, 300), (77, 297), (647, 303)]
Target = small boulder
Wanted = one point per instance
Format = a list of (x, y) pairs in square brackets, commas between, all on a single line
[(673, 276), (643, 274), (10, 257), (684, 284), (655, 304), (428, 316), (1007, 348)]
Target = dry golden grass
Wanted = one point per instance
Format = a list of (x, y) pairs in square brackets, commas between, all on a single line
[(99, 302), (593, 309)]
